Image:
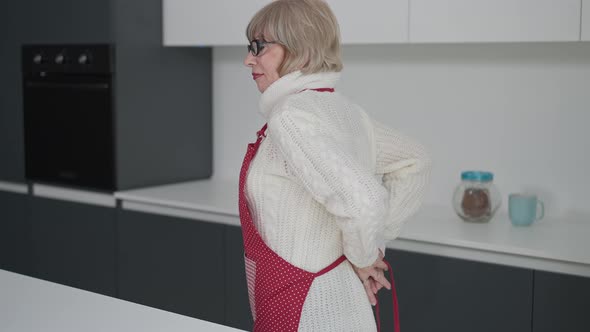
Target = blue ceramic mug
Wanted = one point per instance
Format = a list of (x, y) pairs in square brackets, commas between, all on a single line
[(522, 209)]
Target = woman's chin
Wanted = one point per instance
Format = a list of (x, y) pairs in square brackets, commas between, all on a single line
[(261, 87)]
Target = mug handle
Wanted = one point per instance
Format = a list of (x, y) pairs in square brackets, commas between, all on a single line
[(540, 203)]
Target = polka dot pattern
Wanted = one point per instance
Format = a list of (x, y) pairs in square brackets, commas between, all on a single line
[(277, 289)]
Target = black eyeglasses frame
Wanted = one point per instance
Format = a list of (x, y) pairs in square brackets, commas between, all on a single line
[(260, 45)]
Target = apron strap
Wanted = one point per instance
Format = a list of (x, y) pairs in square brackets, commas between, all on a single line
[(319, 90), (331, 266), (394, 300), (262, 131)]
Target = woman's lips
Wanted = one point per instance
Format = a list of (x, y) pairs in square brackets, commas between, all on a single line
[(255, 76)]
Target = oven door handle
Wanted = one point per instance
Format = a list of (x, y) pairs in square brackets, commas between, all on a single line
[(67, 85)]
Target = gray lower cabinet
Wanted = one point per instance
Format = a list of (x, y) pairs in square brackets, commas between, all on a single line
[(445, 294), (73, 244), (170, 263), (15, 233), (561, 303), (237, 308)]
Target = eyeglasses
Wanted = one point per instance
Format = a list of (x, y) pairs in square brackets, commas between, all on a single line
[(256, 46)]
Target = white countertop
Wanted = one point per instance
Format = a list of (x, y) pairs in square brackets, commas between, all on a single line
[(29, 305), (550, 245), (206, 195)]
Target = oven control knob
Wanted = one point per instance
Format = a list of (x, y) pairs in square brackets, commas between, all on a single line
[(84, 59), (60, 58), (38, 59)]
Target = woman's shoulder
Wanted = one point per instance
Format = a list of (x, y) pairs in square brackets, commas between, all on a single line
[(322, 104), (293, 114), (309, 100), (320, 114)]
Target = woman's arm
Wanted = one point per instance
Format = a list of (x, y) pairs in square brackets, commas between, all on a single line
[(405, 167)]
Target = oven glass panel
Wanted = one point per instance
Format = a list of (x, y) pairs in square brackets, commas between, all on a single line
[(69, 130)]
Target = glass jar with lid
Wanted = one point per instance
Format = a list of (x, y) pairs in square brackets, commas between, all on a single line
[(476, 198)]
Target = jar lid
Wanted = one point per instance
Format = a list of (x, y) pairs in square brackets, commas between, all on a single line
[(477, 176)]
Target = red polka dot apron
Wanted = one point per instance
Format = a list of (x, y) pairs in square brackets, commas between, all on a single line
[(276, 288)]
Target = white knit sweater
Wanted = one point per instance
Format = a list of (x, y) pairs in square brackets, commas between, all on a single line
[(327, 180)]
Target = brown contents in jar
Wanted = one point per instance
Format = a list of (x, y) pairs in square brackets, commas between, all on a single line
[(476, 203)]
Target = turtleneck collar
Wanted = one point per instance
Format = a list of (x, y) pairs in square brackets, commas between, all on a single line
[(293, 83)]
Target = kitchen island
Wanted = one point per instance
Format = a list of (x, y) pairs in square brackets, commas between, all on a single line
[(29, 305)]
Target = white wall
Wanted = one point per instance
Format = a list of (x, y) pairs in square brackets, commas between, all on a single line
[(519, 110)]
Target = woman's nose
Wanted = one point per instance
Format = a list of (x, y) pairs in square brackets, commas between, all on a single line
[(249, 60)]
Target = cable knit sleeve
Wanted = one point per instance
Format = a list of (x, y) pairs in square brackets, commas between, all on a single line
[(330, 171), (405, 166)]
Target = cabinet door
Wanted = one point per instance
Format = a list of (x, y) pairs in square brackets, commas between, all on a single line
[(63, 21), (12, 164), (237, 308), (202, 23), (171, 263), (372, 21), (560, 302), (446, 294), (494, 20), (15, 233), (73, 244), (586, 20)]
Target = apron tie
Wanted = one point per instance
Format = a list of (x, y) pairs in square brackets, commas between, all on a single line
[(393, 299)]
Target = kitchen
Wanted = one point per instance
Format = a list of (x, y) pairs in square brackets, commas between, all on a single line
[(503, 86)]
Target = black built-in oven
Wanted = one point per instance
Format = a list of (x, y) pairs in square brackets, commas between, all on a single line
[(68, 115)]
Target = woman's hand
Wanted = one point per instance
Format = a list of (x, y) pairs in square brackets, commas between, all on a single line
[(373, 277)]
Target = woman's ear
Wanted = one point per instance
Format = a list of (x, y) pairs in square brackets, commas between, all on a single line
[(304, 61), (283, 68)]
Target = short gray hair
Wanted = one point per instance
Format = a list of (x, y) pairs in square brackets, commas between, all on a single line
[(307, 29)]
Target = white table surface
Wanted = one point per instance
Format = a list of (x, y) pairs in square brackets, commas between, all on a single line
[(30, 305), (551, 245)]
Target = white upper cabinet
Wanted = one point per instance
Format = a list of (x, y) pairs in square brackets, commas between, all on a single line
[(223, 22), (372, 21), (208, 23), (494, 20), (586, 20)]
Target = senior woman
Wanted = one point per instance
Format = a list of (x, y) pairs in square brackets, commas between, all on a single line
[(324, 187)]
